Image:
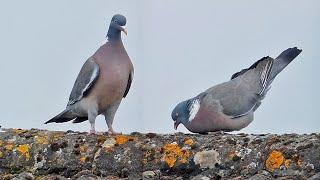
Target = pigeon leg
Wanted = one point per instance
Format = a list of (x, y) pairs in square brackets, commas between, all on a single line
[(109, 116), (92, 118)]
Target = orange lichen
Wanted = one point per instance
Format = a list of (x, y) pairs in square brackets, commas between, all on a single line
[(42, 140), (83, 159), (172, 152), (83, 148), (275, 160), (9, 146), (24, 150), (121, 139), (170, 160), (188, 141), (287, 163)]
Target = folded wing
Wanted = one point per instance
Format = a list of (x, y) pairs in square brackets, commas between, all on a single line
[(84, 82)]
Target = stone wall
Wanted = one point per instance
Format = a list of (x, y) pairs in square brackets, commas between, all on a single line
[(40, 154)]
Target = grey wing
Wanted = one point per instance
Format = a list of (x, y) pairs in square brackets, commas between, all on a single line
[(128, 84), (84, 82), (243, 93)]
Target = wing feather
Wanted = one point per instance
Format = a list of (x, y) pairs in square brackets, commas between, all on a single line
[(243, 93), (128, 84), (84, 82)]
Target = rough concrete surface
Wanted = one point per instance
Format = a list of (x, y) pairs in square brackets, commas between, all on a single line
[(40, 154)]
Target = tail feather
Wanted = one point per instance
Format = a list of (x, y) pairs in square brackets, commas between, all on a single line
[(64, 116), (282, 61)]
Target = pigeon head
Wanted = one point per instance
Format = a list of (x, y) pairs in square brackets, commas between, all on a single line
[(117, 24), (185, 112)]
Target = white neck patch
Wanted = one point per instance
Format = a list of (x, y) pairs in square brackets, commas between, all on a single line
[(194, 108)]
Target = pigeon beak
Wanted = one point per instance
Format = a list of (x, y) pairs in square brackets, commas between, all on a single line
[(176, 124), (124, 30)]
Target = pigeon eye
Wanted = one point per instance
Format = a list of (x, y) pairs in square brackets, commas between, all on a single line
[(177, 114)]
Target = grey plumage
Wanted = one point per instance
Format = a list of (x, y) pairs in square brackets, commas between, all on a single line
[(230, 106), (104, 79), (85, 80)]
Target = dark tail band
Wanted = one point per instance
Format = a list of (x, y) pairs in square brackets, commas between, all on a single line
[(64, 116), (283, 60)]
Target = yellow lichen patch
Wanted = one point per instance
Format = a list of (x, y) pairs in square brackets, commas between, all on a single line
[(299, 162), (296, 159), (83, 159), (188, 141), (275, 160), (83, 149), (108, 145), (9, 146), (57, 136), (19, 131), (101, 139), (231, 155), (1, 142), (172, 152), (170, 160), (24, 150), (287, 163), (121, 139), (184, 156), (1, 154), (41, 140), (7, 176)]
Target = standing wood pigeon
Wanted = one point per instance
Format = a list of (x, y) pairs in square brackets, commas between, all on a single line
[(230, 106), (104, 79)]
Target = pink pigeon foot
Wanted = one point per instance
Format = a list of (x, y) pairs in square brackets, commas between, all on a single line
[(95, 132), (112, 132)]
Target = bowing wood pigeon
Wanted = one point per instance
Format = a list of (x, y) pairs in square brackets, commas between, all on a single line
[(230, 105)]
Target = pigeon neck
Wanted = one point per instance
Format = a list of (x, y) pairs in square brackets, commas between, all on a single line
[(114, 38), (114, 34), (115, 42)]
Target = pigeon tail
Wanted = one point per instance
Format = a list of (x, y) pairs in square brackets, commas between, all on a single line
[(282, 61), (64, 116)]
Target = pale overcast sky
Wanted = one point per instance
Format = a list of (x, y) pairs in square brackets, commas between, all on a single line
[(179, 49)]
